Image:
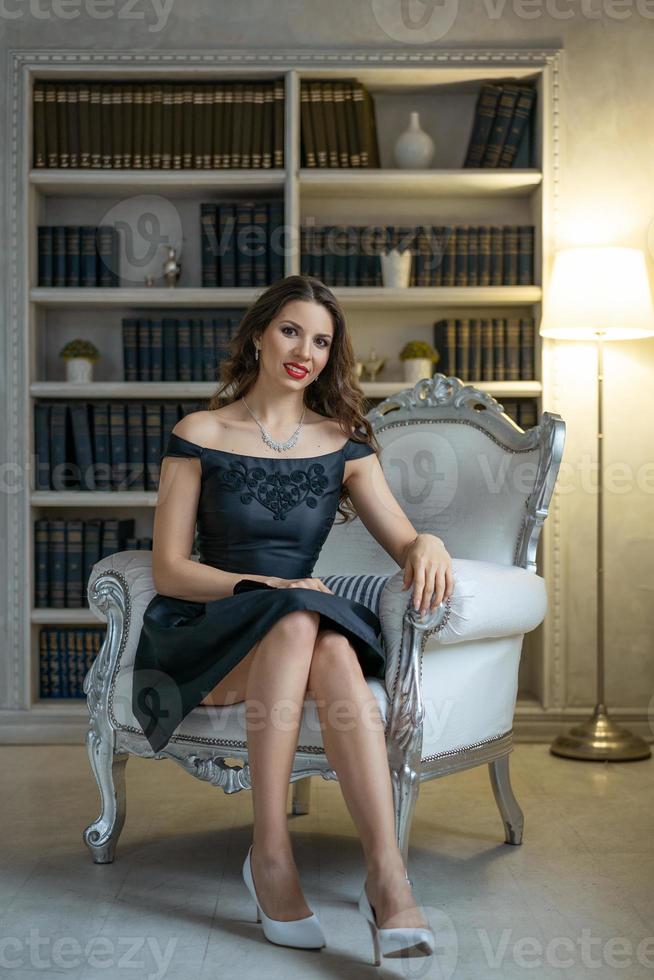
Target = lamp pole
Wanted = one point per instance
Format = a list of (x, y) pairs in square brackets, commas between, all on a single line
[(600, 738)]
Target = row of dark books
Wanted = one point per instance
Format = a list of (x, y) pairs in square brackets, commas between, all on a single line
[(486, 349), (503, 120), (65, 657), (103, 445), (338, 124), (242, 242), (176, 349), (78, 255), (442, 255), (523, 411), (159, 125), (65, 551)]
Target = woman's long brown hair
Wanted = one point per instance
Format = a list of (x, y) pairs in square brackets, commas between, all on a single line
[(335, 393)]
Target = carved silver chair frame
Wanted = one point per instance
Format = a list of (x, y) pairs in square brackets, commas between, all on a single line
[(109, 744)]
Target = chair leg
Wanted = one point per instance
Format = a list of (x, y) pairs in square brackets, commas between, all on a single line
[(301, 796), (509, 808), (406, 786), (108, 766)]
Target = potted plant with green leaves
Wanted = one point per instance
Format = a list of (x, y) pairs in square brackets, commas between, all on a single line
[(419, 359), (79, 355)]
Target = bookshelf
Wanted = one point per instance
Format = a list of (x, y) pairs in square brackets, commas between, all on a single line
[(442, 86)]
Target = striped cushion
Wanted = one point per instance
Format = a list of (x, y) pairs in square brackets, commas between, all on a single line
[(366, 589)]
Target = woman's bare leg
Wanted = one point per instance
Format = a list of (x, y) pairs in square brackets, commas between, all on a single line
[(354, 742), (272, 679)]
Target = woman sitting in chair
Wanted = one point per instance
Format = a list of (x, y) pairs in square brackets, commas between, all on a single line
[(262, 476)]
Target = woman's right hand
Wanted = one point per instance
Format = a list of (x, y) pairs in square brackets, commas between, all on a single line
[(298, 583)]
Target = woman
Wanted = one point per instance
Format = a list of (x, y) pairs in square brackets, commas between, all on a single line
[(249, 623)]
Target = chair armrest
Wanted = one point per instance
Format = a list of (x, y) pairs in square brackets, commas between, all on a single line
[(120, 588), (487, 600)]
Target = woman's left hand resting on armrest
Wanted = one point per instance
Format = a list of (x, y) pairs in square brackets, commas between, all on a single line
[(428, 567)]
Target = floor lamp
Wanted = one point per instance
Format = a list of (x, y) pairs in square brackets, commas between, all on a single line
[(599, 293)]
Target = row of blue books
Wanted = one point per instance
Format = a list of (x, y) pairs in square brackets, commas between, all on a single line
[(65, 551), (486, 348), (442, 255), (78, 255), (177, 349), (502, 126), (65, 657), (102, 445), (242, 242)]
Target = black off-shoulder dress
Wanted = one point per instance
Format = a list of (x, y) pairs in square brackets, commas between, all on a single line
[(260, 516)]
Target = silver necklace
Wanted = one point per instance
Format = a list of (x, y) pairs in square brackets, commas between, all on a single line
[(268, 439)]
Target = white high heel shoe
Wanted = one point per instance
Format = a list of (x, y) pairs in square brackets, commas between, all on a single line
[(398, 941), (303, 933)]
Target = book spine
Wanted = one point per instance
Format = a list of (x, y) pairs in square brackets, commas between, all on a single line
[(84, 107), (278, 89), (39, 150), (95, 116), (73, 564), (45, 253), (41, 578), (59, 255), (73, 125), (62, 124), (155, 339), (482, 124), (101, 445), (72, 255), (52, 142), (135, 476)]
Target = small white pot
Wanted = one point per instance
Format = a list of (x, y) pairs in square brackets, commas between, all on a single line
[(79, 370), (417, 368), (396, 269)]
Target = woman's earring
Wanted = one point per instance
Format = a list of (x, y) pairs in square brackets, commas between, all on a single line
[(256, 353)]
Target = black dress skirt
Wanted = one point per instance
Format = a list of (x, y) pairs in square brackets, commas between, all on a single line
[(259, 516)]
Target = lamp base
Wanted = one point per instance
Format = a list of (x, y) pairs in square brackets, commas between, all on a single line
[(600, 739)]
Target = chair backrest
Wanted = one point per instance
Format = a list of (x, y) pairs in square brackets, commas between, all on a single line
[(461, 469)]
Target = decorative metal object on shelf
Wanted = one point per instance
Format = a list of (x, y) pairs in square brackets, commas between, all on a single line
[(172, 267), (373, 365)]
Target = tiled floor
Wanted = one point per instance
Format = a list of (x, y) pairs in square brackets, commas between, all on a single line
[(575, 900)]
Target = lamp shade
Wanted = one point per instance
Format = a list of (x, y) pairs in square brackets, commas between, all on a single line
[(598, 288)]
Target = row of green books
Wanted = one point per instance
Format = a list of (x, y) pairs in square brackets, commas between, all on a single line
[(502, 127), (65, 657), (78, 255), (177, 348), (242, 242), (159, 125), (65, 551), (486, 348), (442, 255), (102, 445), (338, 124)]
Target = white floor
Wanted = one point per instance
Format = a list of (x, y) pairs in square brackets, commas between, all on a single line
[(575, 900)]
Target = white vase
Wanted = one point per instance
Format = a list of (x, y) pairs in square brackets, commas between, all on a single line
[(79, 370), (417, 368), (396, 268), (414, 148)]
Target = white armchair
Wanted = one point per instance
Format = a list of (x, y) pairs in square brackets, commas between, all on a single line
[(459, 468)]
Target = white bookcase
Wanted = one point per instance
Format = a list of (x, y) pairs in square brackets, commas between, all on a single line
[(442, 85)]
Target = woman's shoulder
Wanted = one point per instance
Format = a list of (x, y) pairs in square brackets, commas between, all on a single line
[(200, 427)]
